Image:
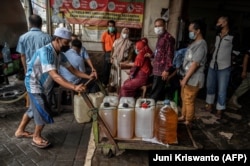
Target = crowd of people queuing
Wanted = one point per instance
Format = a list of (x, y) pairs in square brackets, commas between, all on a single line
[(128, 66)]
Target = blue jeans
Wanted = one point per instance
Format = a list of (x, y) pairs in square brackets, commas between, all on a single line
[(217, 80)]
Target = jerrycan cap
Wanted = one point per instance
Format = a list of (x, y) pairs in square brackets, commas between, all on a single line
[(125, 105), (166, 102), (144, 105), (106, 104)]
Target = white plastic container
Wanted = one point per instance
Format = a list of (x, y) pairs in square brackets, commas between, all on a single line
[(108, 113), (82, 112), (125, 118), (144, 118), (96, 98)]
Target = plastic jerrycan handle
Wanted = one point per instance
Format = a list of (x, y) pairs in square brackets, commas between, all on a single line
[(125, 105), (106, 104)]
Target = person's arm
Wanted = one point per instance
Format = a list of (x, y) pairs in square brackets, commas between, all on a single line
[(189, 73), (80, 74), (103, 41), (61, 81), (23, 60), (89, 62), (168, 58), (244, 66), (92, 68), (86, 57), (126, 65)]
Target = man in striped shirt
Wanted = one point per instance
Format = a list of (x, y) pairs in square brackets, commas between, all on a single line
[(41, 73)]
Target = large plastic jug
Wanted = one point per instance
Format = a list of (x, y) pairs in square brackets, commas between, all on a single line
[(160, 104), (81, 110), (108, 113), (96, 98), (125, 118), (166, 124), (144, 118), (6, 53)]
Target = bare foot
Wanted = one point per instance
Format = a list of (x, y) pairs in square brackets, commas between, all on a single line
[(23, 134), (181, 118)]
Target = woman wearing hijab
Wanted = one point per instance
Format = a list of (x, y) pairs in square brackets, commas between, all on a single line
[(122, 50), (140, 71)]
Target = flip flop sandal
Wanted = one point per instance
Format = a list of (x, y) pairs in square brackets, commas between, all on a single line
[(43, 144), (25, 134)]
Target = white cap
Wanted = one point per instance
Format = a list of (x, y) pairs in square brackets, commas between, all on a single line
[(63, 33)]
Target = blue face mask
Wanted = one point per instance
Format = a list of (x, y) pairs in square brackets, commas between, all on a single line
[(191, 35), (111, 29)]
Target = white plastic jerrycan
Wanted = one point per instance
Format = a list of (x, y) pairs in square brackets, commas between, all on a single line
[(108, 113), (96, 98), (82, 111), (144, 118), (125, 118)]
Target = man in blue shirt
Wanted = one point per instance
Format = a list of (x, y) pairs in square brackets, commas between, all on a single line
[(32, 40), (41, 74), (74, 57), (84, 54)]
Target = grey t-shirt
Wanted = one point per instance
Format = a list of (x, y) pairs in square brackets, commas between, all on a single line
[(196, 52)]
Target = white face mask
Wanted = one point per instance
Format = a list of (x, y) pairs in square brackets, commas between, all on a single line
[(158, 30), (124, 35)]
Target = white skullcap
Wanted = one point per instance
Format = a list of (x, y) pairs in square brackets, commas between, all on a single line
[(62, 32)]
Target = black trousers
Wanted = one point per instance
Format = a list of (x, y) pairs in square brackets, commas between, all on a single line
[(158, 88), (106, 69)]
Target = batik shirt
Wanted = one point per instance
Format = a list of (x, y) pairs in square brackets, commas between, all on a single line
[(164, 54), (45, 59)]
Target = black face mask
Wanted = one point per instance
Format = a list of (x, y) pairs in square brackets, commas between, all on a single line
[(64, 48), (218, 28)]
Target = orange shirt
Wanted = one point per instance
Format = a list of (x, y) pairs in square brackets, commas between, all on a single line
[(108, 40)]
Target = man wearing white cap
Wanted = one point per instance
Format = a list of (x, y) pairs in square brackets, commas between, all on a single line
[(41, 73)]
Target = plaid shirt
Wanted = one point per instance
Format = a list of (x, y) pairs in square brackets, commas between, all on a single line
[(164, 53)]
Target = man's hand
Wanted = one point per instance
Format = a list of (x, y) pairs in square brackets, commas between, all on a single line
[(164, 75), (94, 73), (79, 88), (183, 82)]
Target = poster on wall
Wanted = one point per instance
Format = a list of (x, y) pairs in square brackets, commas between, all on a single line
[(127, 13)]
